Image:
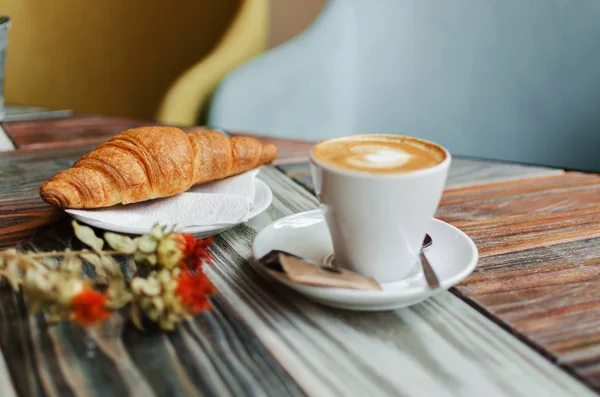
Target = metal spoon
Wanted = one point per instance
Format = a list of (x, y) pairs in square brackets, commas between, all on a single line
[(430, 276), (328, 264)]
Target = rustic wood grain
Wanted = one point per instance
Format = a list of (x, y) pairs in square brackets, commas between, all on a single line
[(22, 211), (441, 347), (540, 266), (6, 386), (291, 151), (550, 295), (326, 351), (79, 130), (527, 213), (539, 270), (257, 336), (215, 354), (20, 218), (89, 131)]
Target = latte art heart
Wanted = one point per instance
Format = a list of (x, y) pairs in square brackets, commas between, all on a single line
[(378, 157), (379, 154)]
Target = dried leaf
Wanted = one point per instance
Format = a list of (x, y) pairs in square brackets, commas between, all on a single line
[(87, 236), (152, 259), (157, 304), (50, 263), (136, 285), (68, 254), (37, 266), (9, 253), (94, 260), (169, 252), (147, 244), (91, 258), (148, 287), (117, 294), (136, 317), (111, 266), (37, 287), (139, 256), (101, 275), (131, 266), (164, 276), (67, 289), (12, 273), (157, 232), (6, 256), (72, 264), (49, 284), (120, 243)]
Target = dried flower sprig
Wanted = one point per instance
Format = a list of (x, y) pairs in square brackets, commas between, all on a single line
[(167, 287)]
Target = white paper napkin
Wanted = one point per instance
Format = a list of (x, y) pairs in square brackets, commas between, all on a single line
[(217, 203)]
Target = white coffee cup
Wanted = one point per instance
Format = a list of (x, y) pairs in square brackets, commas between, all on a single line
[(377, 221)]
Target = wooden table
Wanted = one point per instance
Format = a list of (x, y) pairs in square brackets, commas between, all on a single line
[(525, 323)]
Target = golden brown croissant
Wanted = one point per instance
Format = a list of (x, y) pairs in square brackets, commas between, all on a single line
[(152, 162)]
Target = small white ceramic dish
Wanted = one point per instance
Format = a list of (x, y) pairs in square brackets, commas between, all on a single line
[(262, 199), (453, 256)]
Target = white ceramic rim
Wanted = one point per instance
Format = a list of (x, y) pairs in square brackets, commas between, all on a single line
[(400, 175)]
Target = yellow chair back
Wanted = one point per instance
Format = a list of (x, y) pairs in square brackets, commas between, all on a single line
[(115, 57)]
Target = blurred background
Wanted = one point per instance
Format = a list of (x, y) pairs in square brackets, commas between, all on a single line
[(506, 80), (120, 58)]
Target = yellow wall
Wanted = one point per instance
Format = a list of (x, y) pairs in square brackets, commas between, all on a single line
[(112, 57)]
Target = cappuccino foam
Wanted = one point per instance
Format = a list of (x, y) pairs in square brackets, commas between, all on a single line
[(379, 154)]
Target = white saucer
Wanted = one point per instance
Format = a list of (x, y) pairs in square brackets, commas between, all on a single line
[(453, 256), (262, 199)]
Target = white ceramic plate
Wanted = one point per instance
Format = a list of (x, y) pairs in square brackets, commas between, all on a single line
[(453, 256), (262, 199)]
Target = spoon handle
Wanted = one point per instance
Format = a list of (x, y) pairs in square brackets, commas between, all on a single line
[(432, 280)]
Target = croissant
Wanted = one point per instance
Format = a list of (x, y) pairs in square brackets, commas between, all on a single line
[(152, 162)]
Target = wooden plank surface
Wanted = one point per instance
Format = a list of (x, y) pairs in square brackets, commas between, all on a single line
[(550, 295), (536, 231), (540, 267), (7, 388), (90, 131), (80, 130), (263, 341), (441, 347), (526, 213), (293, 330), (215, 354), (290, 345)]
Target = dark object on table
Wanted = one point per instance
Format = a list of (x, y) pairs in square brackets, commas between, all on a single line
[(4, 25), (430, 276)]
